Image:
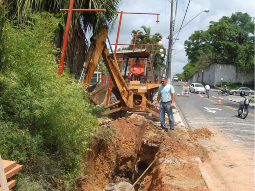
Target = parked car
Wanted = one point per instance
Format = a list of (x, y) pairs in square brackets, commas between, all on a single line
[(247, 91), (197, 87), (175, 78)]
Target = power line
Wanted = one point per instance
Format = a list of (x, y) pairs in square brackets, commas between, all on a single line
[(178, 51), (183, 20), (175, 14)]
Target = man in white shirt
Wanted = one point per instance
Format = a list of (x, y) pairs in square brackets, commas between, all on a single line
[(207, 88)]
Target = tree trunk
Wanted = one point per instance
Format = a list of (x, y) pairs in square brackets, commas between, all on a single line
[(76, 51)]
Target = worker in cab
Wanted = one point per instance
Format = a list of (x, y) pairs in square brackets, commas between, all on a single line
[(156, 79), (137, 71)]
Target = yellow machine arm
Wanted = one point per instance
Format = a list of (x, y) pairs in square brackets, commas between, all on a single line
[(98, 48)]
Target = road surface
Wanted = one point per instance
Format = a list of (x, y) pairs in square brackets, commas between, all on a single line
[(231, 150), (203, 112)]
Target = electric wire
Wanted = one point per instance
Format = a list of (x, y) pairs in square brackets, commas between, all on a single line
[(178, 51), (182, 21), (175, 14)]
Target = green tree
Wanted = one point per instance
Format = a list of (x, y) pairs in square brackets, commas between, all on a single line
[(20, 11), (228, 41)]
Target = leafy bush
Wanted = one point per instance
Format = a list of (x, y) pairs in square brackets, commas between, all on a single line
[(45, 120)]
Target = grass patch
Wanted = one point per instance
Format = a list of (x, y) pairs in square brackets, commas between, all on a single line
[(232, 86)]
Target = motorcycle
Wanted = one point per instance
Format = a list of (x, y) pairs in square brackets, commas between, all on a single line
[(223, 92), (243, 108)]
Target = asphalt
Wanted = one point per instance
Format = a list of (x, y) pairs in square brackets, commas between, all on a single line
[(236, 98)]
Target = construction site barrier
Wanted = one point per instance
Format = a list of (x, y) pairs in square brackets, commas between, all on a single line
[(219, 99), (185, 90)]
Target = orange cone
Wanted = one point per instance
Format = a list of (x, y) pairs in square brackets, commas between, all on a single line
[(199, 95), (219, 100)]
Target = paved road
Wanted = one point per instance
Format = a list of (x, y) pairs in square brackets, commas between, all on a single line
[(202, 112)]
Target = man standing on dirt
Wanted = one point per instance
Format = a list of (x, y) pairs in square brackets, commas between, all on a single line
[(167, 95)]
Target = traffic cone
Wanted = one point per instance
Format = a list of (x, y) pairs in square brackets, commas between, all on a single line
[(199, 95), (219, 100)]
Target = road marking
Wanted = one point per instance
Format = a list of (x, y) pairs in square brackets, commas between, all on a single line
[(221, 123), (251, 114), (212, 110)]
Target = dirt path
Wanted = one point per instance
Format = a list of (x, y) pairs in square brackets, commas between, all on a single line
[(231, 165)]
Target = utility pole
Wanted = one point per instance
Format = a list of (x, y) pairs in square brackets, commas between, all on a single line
[(168, 72)]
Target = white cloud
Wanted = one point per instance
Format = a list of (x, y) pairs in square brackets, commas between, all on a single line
[(218, 9)]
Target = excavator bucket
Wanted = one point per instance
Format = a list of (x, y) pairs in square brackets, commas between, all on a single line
[(98, 94)]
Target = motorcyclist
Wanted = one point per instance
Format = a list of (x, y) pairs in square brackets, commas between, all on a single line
[(225, 89), (243, 106)]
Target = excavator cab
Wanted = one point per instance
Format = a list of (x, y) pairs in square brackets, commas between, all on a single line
[(133, 96)]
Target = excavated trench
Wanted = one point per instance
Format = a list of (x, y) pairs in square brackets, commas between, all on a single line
[(132, 154)]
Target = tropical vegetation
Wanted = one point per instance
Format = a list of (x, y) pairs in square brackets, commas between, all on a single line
[(45, 123), (82, 22), (228, 41)]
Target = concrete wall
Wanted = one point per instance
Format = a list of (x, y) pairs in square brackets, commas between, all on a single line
[(213, 74)]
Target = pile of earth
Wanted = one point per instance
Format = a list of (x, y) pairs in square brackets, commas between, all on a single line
[(132, 151)]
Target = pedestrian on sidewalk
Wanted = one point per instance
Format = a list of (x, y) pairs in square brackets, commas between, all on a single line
[(166, 94)]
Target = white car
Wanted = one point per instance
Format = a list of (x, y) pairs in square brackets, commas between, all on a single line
[(175, 78), (197, 87)]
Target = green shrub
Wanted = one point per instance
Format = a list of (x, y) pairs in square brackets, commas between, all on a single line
[(18, 144), (47, 113)]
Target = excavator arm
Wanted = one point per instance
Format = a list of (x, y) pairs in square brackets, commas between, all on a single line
[(97, 48), (95, 51)]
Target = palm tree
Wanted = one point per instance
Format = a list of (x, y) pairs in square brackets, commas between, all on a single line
[(20, 10), (158, 61)]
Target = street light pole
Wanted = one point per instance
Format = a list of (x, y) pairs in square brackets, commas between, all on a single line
[(168, 72)]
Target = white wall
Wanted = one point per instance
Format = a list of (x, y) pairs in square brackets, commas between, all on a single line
[(213, 74)]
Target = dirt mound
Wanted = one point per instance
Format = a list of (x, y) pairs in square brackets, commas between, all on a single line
[(123, 149), (202, 133)]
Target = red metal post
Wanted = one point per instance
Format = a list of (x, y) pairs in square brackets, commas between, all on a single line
[(157, 19), (102, 79), (118, 33), (109, 90), (63, 53), (69, 16)]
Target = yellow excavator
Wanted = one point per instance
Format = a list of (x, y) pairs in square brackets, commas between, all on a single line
[(133, 96)]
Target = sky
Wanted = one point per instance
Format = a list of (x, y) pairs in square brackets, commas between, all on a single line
[(191, 23)]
